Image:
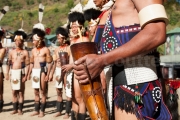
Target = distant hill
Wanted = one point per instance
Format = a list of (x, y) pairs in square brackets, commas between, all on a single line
[(56, 11)]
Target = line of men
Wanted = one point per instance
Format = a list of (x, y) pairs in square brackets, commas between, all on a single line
[(135, 97), (41, 66)]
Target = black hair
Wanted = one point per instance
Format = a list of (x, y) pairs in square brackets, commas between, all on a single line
[(40, 33), (91, 14), (18, 32), (1, 33), (76, 16), (62, 31)]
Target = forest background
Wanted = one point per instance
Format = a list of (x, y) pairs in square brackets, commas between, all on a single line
[(56, 12)]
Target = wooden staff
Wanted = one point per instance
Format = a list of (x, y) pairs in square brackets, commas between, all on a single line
[(92, 91), (64, 60)]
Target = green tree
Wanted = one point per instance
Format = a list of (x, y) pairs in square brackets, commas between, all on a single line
[(70, 3)]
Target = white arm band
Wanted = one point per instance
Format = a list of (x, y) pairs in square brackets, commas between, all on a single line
[(151, 13)]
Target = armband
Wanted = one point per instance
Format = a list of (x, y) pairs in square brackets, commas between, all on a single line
[(49, 59), (32, 60), (152, 13)]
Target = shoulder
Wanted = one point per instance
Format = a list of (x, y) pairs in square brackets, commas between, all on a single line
[(46, 48)]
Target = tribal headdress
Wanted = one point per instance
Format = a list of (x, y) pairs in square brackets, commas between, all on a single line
[(40, 25), (61, 31), (91, 13), (76, 16), (38, 29), (20, 35), (2, 13)]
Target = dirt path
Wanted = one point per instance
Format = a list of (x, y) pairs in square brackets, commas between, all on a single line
[(29, 104)]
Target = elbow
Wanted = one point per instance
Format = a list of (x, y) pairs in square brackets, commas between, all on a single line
[(158, 33), (161, 38)]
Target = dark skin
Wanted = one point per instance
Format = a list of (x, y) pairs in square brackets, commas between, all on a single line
[(150, 37), (17, 62), (39, 53)]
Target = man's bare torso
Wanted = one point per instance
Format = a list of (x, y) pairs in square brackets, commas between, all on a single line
[(57, 50), (18, 58), (125, 13), (39, 56)]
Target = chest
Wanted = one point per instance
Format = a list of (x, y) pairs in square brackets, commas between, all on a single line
[(39, 53), (18, 54)]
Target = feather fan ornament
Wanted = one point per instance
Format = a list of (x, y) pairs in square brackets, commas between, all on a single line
[(40, 25), (4, 11), (90, 4)]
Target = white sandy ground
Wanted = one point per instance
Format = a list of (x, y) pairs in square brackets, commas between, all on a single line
[(29, 104)]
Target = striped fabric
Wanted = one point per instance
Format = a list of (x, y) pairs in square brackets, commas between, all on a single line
[(108, 38)]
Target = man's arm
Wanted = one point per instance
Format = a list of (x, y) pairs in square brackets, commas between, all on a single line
[(49, 60), (9, 63), (150, 37), (3, 52), (30, 66), (53, 65), (27, 64)]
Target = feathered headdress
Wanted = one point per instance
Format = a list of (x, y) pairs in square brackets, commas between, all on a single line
[(108, 5), (62, 32), (92, 16), (91, 13), (3, 11), (19, 34), (22, 24), (40, 25)]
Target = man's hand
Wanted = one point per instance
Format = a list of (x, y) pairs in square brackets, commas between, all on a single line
[(46, 78), (7, 77), (28, 77), (50, 77), (93, 63), (66, 68), (24, 79)]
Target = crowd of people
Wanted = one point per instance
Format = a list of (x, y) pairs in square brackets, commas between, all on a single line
[(126, 32)]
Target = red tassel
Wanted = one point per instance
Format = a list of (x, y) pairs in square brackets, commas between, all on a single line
[(48, 31)]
